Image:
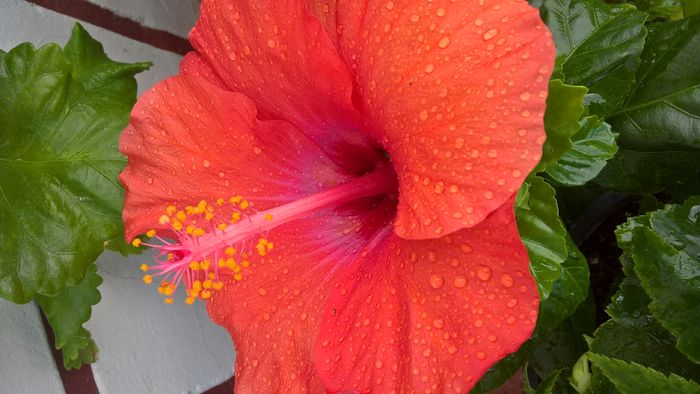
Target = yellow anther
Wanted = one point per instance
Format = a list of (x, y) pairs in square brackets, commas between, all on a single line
[(244, 204), (212, 276), (164, 219), (207, 284), (205, 264), (170, 210), (235, 199), (168, 291), (192, 293), (238, 276), (270, 246), (189, 209), (230, 262), (230, 251), (144, 267), (236, 216), (169, 300), (189, 300), (268, 216), (136, 242), (208, 216), (235, 268), (148, 279), (198, 232), (194, 266), (151, 233), (197, 285), (190, 229), (170, 256), (218, 285), (245, 263), (205, 294), (220, 201), (222, 226), (177, 225), (181, 216)]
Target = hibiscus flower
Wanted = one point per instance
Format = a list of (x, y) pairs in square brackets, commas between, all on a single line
[(337, 180)]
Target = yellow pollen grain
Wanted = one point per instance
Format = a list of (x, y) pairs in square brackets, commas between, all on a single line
[(205, 264), (207, 284), (144, 267), (198, 232), (218, 285), (189, 300), (244, 204), (245, 263), (170, 209), (136, 242), (222, 226), (151, 233), (208, 217), (194, 266), (205, 294), (147, 279), (190, 229), (169, 300), (177, 225), (197, 285), (164, 219), (220, 202), (235, 199), (238, 276), (230, 251), (268, 216), (202, 206), (236, 216)]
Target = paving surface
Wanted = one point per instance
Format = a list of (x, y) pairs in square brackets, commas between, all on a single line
[(145, 345)]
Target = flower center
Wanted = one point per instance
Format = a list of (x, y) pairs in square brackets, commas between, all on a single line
[(210, 238)]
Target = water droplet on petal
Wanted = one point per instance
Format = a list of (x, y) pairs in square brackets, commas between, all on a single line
[(483, 273), (436, 281), (444, 42), (438, 323), (490, 33), (506, 280), (460, 282)]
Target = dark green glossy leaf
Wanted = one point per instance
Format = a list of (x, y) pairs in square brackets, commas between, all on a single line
[(691, 7), (632, 378), (652, 172), (541, 231), (667, 261), (632, 333), (598, 46), (561, 120), (560, 350), (61, 112), (593, 145), (662, 9), (546, 386), (66, 313), (659, 122)]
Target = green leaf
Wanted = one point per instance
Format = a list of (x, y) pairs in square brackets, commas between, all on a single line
[(593, 145), (632, 333), (652, 172), (61, 113), (659, 122), (667, 262), (561, 349), (541, 231), (66, 313), (546, 386), (662, 9), (567, 293), (633, 378), (564, 108), (691, 7), (598, 46)]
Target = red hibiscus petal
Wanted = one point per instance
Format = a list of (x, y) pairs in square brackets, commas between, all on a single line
[(456, 93), (274, 312), (277, 54), (188, 141), (431, 314)]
